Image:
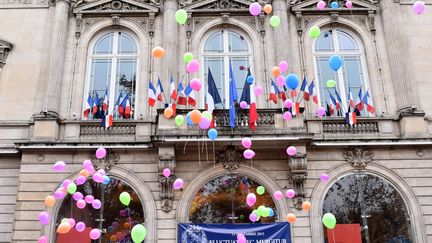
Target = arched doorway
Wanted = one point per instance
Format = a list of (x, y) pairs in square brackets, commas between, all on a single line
[(368, 209)]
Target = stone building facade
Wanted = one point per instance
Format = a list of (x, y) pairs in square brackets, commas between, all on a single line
[(45, 70)]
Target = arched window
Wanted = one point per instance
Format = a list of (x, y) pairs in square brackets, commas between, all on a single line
[(113, 62), (113, 219), (352, 76), (369, 208), (221, 49), (223, 200)]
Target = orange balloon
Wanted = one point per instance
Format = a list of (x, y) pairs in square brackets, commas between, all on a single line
[(168, 112), (64, 228), (84, 173), (49, 201), (291, 218), (268, 8), (113, 238), (126, 225), (158, 52), (195, 116), (306, 206), (276, 71)]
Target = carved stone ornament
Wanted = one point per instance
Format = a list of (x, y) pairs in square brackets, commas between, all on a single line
[(230, 158), (5, 48), (298, 175), (359, 157), (107, 162), (211, 6), (166, 193), (109, 7)]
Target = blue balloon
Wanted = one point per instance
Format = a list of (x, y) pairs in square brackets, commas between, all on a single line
[(188, 120), (334, 5), (271, 212), (335, 62), (292, 81), (250, 79), (107, 180), (212, 134)]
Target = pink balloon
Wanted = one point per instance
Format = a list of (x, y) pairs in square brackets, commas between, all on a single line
[(291, 150), (98, 177), (288, 103), (251, 199), (204, 123), (43, 239), (324, 177), (241, 238), (59, 166), (178, 184), (321, 5), (95, 234), (96, 204), (77, 196), (419, 7), (246, 142), (287, 115), (80, 180), (166, 172), (193, 66), (101, 171), (243, 104), (80, 204), (91, 170), (195, 84), (87, 164), (321, 112), (255, 9), (258, 90), (59, 194), (100, 152), (290, 193), (66, 183), (71, 222), (44, 218), (253, 217), (278, 195), (89, 199), (80, 226), (248, 154), (348, 4), (280, 80), (283, 66)]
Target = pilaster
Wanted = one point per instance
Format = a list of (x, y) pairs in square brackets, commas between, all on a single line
[(166, 160), (281, 32), (169, 41)]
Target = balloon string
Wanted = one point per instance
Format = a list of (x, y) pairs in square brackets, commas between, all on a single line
[(214, 154), (199, 155), (205, 142), (251, 163)]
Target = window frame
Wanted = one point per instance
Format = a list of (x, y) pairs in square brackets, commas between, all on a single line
[(226, 55), (113, 57), (361, 53)]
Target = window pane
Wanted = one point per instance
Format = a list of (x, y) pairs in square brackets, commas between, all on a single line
[(126, 80), (104, 45), (126, 44), (346, 42), (216, 65), (99, 80), (373, 205), (325, 74), (222, 200), (214, 43), (116, 219), (240, 67), (236, 43), (325, 42)]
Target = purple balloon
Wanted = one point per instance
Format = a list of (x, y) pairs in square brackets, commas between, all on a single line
[(87, 164), (80, 226), (280, 80), (178, 184), (59, 166), (91, 170), (290, 193), (96, 204), (246, 142), (97, 177), (321, 5), (81, 204), (204, 123), (59, 194), (101, 153), (255, 9), (193, 66), (278, 195), (321, 112), (89, 199), (71, 222), (95, 234), (324, 177), (243, 105), (250, 199), (419, 7), (123, 213), (101, 171), (115, 224), (253, 217), (166, 172), (287, 116), (44, 218), (248, 154), (66, 183), (348, 4), (258, 90), (43, 239), (77, 196), (288, 103), (80, 180), (291, 151), (283, 66), (195, 84)]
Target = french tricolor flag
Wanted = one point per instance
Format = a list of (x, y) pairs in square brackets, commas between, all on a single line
[(151, 94), (105, 101), (88, 106), (107, 121), (212, 97), (181, 95), (96, 104), (312, 93), (159, 90), (253, 114), (369, 106), (173, 91), (351, 118), (191, 96), (360, 104), (351, 99), (127, 106), (303, 88), (332, 104), (120, 108), (282, 94), (273, 92)]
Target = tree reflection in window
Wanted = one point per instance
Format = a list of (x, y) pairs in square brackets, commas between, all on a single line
[(372, 203), (113, 218), (223, 200)]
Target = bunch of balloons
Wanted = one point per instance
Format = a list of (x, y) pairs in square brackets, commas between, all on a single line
[(202, 119), (261, 211)]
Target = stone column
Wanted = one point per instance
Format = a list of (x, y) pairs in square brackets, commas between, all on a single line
[(281, 32), (56, 57), (169, 42)]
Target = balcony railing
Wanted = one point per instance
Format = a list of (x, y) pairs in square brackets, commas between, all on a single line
[(340, 127), (92, 130), (266, 118)]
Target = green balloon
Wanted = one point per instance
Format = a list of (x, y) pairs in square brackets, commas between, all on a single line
[(266, 212), (260, 190), (188, 57), (207, 114), (261, 210), (329, 220), (139, 233), (314, 32), (64, 220), (125, 198), (257, 214), (181, 16), (71, 188), (331, 83), (274, 21), (179, 120)]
